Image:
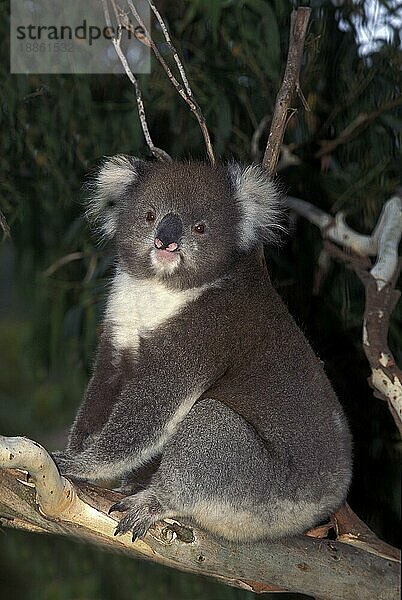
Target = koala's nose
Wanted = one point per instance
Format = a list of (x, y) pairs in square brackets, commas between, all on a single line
[(169, 233)]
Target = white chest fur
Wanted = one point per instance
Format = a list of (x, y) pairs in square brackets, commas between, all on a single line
[(137, 307)]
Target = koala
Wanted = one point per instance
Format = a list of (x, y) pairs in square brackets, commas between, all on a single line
[(200, 364)]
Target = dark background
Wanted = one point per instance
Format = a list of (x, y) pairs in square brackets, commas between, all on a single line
[(55, 128)]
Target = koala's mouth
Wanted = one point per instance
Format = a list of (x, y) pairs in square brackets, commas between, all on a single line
[(167, 256), (165, 262)]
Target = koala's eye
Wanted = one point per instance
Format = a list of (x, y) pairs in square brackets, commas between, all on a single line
[(199, 228), (150, 216)]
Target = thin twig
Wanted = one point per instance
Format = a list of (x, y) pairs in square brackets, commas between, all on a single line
[(189, 99), (255, 140), (302, 98), (157, 152), (290, 83), (356, 127), (122, 18), (172, 49), (64, 260), (4, 226)]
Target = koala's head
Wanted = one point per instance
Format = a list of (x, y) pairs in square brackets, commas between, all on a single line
[(184, 223)]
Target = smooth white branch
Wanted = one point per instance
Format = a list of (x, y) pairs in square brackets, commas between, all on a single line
[(387, 236), (53, 491), (383, 243), (55, 495), (378, 280)]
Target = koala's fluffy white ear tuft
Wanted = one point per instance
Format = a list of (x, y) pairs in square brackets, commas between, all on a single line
[(261, 206), (107, 189)]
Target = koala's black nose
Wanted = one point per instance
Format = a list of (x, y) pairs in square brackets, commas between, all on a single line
[(169, 233)]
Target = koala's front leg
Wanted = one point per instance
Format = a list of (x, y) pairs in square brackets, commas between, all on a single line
[(145, 416), (159, 388), (102, 392)]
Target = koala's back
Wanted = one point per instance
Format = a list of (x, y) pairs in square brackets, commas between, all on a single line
[(276, 383)]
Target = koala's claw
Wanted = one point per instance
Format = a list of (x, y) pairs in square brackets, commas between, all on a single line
[(117, 506), (141, 514), (138, 528)]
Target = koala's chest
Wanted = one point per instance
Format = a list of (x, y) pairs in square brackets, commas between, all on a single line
[(138, 307)]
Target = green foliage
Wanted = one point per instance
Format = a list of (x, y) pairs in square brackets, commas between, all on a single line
[(55, 128)]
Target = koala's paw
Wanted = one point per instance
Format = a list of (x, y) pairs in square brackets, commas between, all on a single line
[(142, 511)]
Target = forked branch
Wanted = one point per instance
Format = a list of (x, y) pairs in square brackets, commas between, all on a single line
[(290, 84), (116, 40), (354, 249), (184, 90)]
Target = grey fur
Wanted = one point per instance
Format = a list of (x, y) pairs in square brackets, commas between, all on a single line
[(201, 365)]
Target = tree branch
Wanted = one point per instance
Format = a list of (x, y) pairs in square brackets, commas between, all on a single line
[(183, 90), (359, 566), (116, 40), (172, 49), (4, 226), (355, 127), (379, 283), (290, 83), (386, 377)]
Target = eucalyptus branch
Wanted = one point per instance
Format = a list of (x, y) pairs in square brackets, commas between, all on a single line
[(172, 49), (290, 84), (50, 503), (356, 127), (379, 283), (116, 40), (183, 90)]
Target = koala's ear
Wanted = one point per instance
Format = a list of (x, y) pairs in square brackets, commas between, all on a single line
[(262, 209), (107, 190)]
